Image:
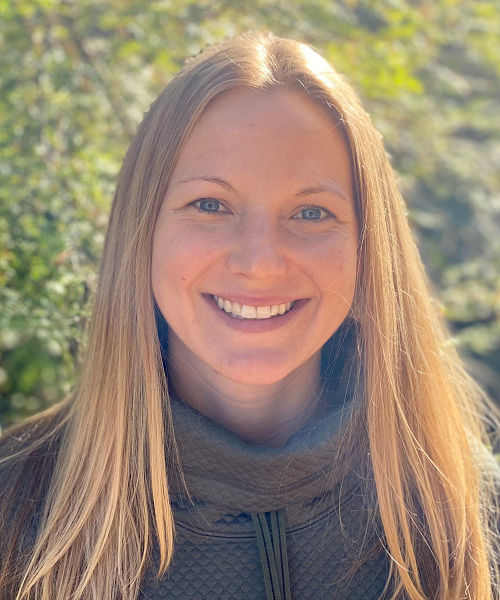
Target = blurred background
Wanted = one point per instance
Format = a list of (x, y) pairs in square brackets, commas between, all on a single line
[(76, 77)]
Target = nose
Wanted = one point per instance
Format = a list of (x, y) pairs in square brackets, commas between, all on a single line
[(257, 252)]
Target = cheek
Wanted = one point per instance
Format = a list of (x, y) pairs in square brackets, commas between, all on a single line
[(181, 256), (336, 272)]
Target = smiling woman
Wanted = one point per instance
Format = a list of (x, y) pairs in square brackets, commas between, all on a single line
[(236, 235), (266, 374)]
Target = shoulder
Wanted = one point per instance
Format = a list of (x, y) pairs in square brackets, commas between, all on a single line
[(36, 429), (28, 453), (28, 443)]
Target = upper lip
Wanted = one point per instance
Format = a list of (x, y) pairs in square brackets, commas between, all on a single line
[(257, 300)]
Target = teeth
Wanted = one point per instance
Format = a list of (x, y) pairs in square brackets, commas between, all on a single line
[(248, 312), (263, 312), (252, 312)]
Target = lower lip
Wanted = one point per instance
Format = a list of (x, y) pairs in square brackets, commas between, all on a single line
[(256, 325)]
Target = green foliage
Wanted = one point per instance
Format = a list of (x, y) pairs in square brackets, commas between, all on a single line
[(77, 76)]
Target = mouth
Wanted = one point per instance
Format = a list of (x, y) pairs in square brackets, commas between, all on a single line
[(244, 311)]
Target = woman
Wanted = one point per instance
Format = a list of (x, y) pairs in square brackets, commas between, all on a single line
[(269, 406)]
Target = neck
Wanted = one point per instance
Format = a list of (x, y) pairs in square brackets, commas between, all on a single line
[(259, 414)]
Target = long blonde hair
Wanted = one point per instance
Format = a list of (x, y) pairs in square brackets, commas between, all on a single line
[(108, 497)]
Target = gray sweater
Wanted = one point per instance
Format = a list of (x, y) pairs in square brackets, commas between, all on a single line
[(267, 523), (261, 523)]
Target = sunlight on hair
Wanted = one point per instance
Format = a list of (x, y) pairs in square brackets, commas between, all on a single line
[(109, 496)]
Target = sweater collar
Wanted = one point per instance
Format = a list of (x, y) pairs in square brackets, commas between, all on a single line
[(220, 468)]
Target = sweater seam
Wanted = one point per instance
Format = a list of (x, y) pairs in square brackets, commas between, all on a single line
[(231, 481), (324, 514)]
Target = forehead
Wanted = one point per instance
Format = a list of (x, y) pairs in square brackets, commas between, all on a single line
[(274, 133), (245, 107)]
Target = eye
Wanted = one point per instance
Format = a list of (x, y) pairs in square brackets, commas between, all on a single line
[(208, 205), (313, 213)]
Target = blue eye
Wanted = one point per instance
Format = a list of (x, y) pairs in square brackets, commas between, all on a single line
[(208, 205), (311, 213)]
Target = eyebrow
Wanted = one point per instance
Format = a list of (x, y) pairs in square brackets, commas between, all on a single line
[(217, 180), (328, 185)]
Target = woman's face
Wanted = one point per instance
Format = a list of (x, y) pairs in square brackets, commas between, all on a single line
[(260, 214)]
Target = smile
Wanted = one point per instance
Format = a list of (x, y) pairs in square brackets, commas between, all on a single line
[(243, 311)]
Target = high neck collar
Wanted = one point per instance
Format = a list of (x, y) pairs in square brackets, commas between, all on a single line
[(220, 468)]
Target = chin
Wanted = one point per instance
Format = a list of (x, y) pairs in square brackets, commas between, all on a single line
[(245, 379), (254, 374)]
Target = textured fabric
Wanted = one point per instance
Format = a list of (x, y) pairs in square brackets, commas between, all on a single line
[(209, 566), (220, 468), (329, 520), (226, 546)]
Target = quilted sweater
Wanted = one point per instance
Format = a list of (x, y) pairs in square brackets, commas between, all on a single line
[(268, 523), (292, 523)]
